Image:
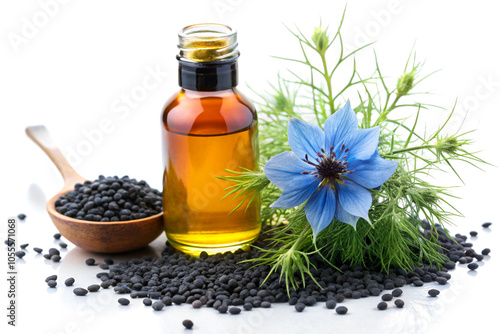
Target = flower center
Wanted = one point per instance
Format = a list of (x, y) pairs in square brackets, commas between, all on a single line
[(329, 169)]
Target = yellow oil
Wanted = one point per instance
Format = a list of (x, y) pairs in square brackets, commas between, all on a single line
[(195, 215)]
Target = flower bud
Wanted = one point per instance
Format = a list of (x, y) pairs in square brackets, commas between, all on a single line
[(405, 83), (320, 39)]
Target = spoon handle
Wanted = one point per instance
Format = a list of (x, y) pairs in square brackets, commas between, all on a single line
[(41, 136)]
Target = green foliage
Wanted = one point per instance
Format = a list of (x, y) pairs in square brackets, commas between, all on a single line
[(392, 238)]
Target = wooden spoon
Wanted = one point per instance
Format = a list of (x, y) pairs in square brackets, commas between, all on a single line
[(105, 237)]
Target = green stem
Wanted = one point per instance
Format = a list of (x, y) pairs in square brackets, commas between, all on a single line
[(415, 148), (328, 79), (300, 238)]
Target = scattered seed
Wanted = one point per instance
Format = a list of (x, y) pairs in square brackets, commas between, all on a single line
[(93, 287), (473, 233), (52, 283), (442, 280), (63, 245), (20, 254), (387, 297), (473, 266), (55, 258), (57, 236), (124, 301), (9, 242), (38, 250), (187, 323), (331, 304), (69, 281), (382, 306), (433, 292), (158, 306), (54, 251), (51, 278), (23, 246), (80, 291), (222, 308), (147, 301), (397, 292), (341, 310), (90, 262), (486, 225), (399, 303), (21, 216), (299, 307), (247, 306), (197, 304), (108, 261), (237, 310), (486, 251)]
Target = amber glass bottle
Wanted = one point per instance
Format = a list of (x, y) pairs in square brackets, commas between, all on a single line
[(208, 127)]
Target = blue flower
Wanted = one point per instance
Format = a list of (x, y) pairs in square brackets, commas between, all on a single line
[(330, 169)]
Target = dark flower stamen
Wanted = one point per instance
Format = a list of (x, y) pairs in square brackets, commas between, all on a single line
[(328, 168)]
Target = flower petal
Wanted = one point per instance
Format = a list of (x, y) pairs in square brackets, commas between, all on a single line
[(305, 138), (294, 196), (344, 216), (339, 125), (373, 172), (284, 171), (361, 143), (354, 199), (320, 209)]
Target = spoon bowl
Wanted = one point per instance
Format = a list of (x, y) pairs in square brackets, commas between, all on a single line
[(102, 237)]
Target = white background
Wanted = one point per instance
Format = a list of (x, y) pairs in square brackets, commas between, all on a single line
[(73, 68)]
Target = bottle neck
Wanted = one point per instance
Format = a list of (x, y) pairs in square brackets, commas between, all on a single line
[(208, 76)]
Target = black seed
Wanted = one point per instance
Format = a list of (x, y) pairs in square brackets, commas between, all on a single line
[(187, 323), (23, 246), (90, 262), (265, 305), (382, 306), (158, 306), (299, 307), (473, 266), (197, 304), (69, 281), (449, 265), (20, 254), (93, 287), (486, 251), (247, 306), (47, 256), (63, 245), (52, 283), (222, 308), (178, 299), (234, 310), (54, 251), (38, 250), (433, 292), (399, 303), (486, 225), (418, 282), (57, 236), (55, 258), (397, 292), (473, 233), (147, 301), (167, 301), (442, 280), (106, 284), (124, 301), (108, 261), (330, 304), (21, 216), (387, 297), (80, 291), (51, 278), (341, 310)]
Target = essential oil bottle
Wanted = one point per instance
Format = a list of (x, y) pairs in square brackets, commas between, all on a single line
[(208, 127)]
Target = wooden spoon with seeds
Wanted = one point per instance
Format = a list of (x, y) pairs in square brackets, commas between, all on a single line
[(104, 237)]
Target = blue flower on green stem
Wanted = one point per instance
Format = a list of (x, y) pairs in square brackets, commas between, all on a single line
[(330, 169)]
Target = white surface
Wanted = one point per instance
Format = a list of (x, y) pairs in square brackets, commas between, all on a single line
[(74, 75)]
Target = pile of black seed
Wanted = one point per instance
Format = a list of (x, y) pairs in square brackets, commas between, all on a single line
[(223, 282), (110, 199)]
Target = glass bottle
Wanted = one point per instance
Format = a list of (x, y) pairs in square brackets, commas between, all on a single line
[(208, 127)]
